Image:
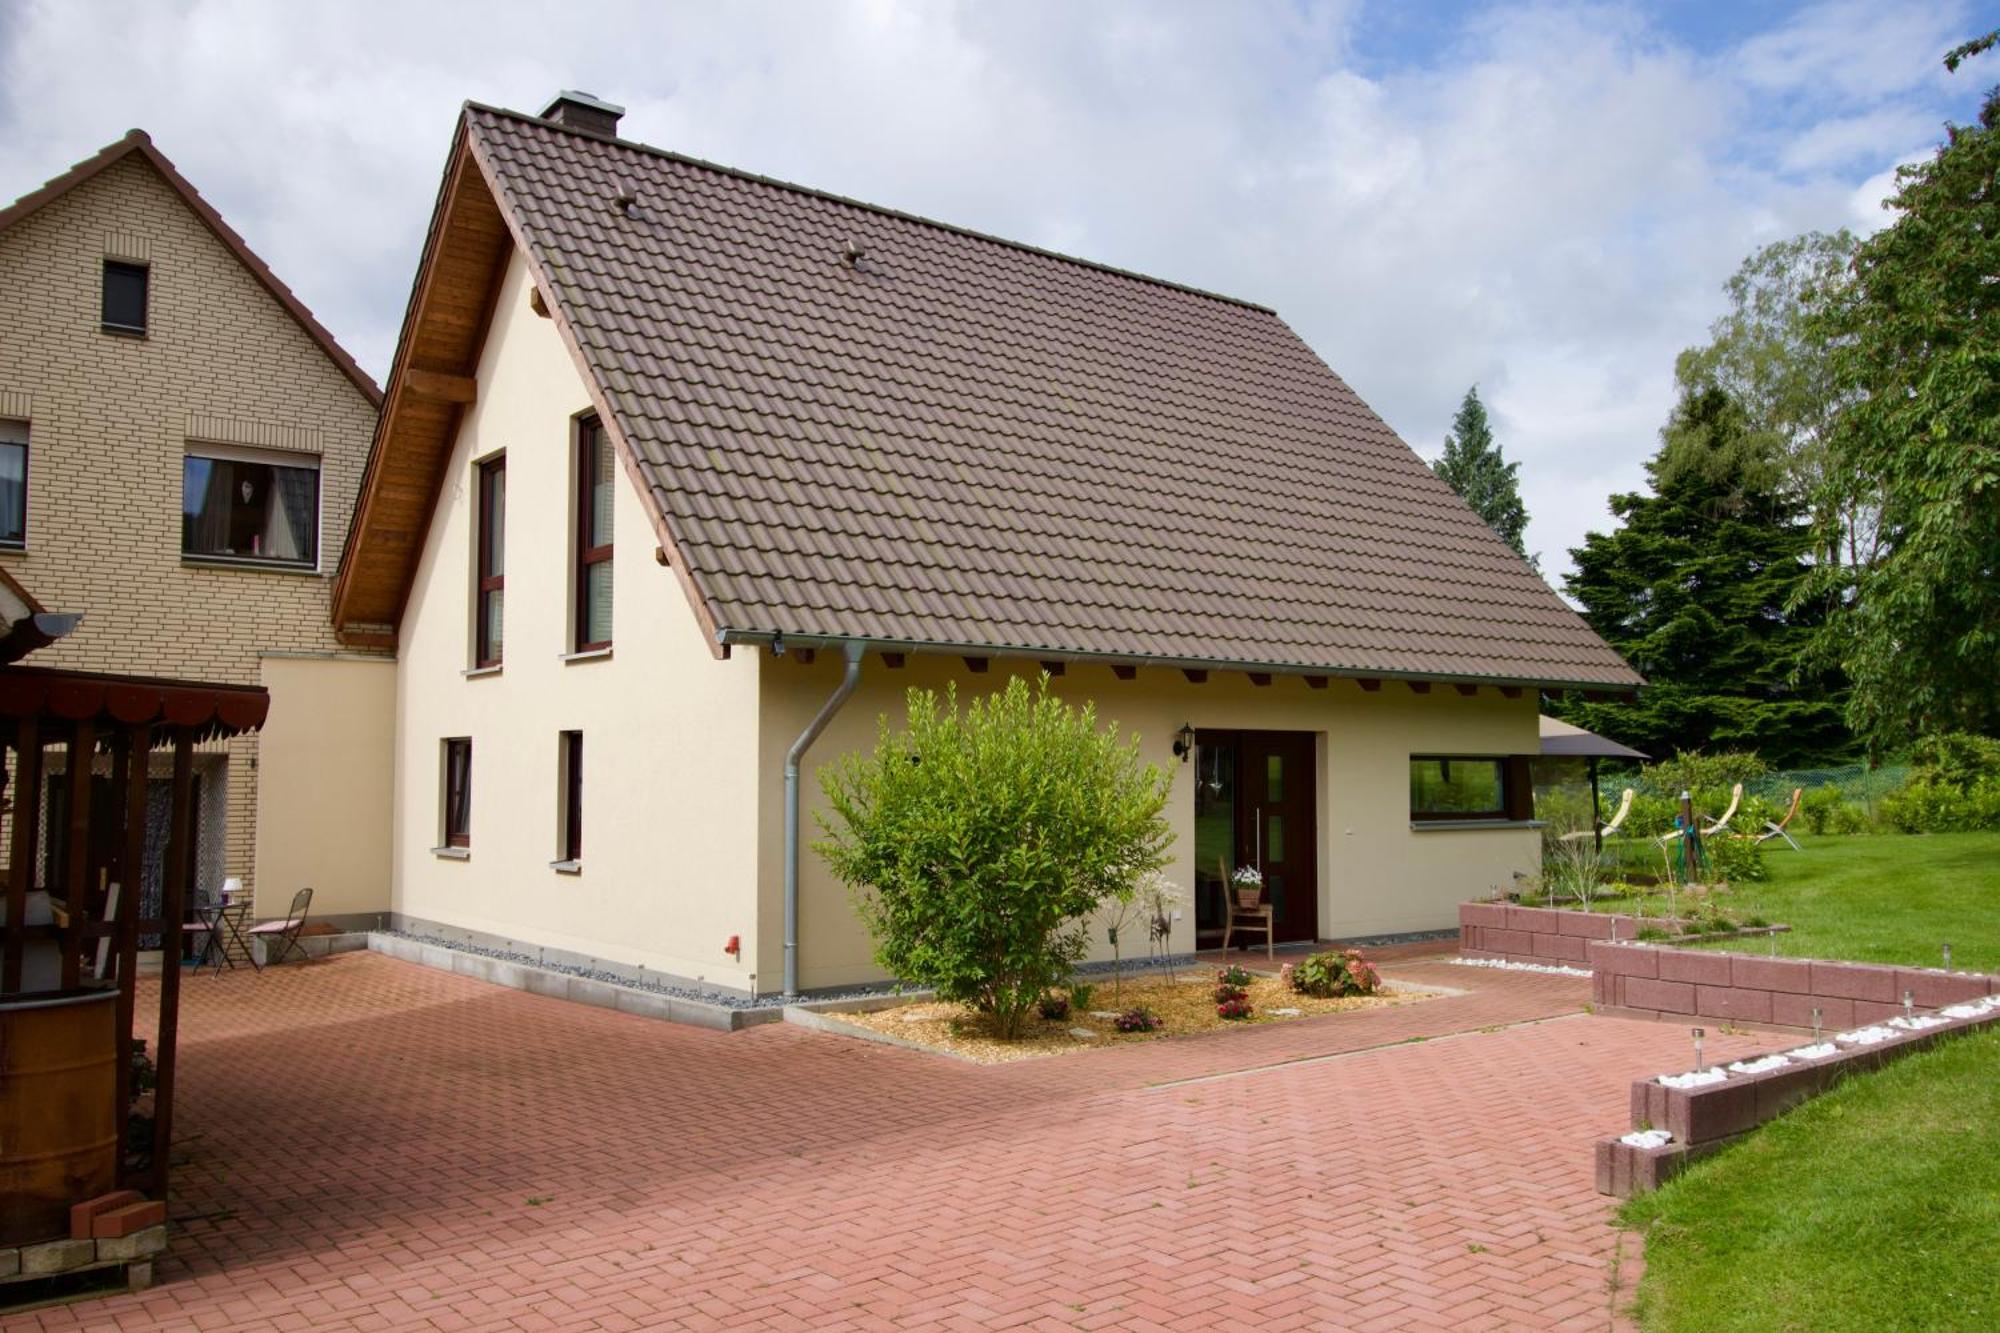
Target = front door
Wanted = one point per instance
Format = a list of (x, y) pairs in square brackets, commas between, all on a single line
[(1256, 805)]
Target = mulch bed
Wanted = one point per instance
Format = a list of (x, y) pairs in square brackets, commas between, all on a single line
[(1187, 1005)]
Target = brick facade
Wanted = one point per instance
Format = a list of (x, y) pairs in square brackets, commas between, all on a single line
[(110, 418)]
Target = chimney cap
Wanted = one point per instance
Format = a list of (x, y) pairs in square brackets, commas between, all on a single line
[(584, 111)]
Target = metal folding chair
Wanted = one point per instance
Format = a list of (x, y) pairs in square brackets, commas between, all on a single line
[(286, 932)]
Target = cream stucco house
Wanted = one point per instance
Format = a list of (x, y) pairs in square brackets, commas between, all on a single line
[(824, 452), (181, 443)]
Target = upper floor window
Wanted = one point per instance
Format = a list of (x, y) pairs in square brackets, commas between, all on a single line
[(596, 491), (491, 564), (244, 505), (125, 290), (13, 484)]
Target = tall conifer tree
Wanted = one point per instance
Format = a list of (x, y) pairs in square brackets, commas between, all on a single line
[(1473, 466)]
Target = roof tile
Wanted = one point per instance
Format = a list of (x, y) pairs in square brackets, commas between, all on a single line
[(965, 442)]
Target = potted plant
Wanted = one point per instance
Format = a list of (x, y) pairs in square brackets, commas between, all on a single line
[(1249, 884)]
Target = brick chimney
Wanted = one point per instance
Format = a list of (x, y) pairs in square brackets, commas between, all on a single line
[(581, 111)]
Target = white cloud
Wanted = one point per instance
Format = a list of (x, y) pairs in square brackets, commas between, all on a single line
[(1545, 200)]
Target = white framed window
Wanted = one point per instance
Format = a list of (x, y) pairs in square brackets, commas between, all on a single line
[(250, 506)]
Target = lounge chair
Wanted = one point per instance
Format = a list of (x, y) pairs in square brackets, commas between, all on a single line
[(1719, 825), (1616, 823), (1777, 829)]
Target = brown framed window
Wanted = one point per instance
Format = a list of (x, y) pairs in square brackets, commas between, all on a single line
[(490, 615), (1455, 787), (458, 791), (570, 764), (13, 485), (595, 493), (125, 292)]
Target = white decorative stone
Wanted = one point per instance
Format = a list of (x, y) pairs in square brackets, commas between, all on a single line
[(1867, 1036), (1503, 965), (1759, 1065), (1647, 1138), (1819, 1052), (1693, 1079)]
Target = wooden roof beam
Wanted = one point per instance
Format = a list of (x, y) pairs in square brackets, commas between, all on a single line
[(440, 385)]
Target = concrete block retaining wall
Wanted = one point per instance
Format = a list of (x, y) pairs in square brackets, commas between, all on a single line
[(1704, 1118), (1515, 934), (1650, 981)]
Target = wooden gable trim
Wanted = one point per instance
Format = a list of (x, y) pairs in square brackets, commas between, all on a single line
[(414, 434), (141, 143), (613, 428)]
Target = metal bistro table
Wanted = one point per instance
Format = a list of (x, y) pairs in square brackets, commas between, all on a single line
[(216, 920)]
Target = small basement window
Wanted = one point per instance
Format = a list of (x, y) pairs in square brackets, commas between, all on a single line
[(569, 766), (244, 506), (125, 292), (1463, 787)]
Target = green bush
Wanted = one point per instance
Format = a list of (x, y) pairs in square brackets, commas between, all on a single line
[(1331, 974), (1692, 770), (978, 841), (1736, 860), (1955, 759), (1936, 807)]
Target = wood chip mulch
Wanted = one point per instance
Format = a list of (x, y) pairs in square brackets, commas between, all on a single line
[(1187, 1005)]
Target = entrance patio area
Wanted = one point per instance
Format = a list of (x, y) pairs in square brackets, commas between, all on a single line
[(373, 1145)]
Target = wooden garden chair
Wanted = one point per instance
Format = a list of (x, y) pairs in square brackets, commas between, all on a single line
[(1249, 919), (1776, 829), (1616, 823)]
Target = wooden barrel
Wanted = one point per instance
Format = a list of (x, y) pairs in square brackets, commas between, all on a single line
[(58, 1108)]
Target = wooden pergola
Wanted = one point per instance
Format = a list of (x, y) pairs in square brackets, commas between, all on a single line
[(125, 719)]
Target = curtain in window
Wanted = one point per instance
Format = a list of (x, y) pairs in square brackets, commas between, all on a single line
[(294, 515)]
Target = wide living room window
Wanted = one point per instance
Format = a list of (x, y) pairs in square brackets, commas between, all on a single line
[(1464, 787), (243, 505)]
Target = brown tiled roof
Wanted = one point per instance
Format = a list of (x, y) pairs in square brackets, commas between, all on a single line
[(138, 141), (966, 443)]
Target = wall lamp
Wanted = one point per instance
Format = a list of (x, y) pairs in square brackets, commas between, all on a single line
[(1184, 742)]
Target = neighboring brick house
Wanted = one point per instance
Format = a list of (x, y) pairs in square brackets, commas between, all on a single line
[(180, 447)]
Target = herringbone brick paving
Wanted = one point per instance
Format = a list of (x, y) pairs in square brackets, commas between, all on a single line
[(373, 1145)]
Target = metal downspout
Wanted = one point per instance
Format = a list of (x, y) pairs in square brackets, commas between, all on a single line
[(848, 681)]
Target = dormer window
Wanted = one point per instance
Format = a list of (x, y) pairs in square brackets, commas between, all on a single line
[(125, 291)]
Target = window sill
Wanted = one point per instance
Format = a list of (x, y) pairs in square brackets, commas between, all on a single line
[(1459, 825), (122, 330), (452, 853), (587, 655), (567, 867), (13, 548), (243, 562), (475, 673)]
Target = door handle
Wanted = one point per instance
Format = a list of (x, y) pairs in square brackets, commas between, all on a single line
[(1257, 833)]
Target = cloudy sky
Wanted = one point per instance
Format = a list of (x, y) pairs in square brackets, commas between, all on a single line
[(1543, 199)]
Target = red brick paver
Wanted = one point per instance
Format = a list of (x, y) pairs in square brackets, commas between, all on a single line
[(374, 1145)]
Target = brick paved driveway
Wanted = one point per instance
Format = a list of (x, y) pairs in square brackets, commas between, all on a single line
[(373, 1145)]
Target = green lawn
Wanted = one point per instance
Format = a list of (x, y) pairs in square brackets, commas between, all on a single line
[(1891, 898), (1874, 1207)]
